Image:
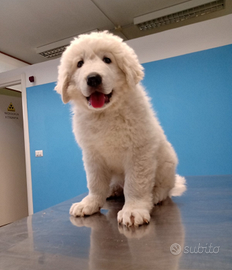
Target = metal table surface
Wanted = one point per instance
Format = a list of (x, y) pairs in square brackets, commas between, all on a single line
[(189, 232)]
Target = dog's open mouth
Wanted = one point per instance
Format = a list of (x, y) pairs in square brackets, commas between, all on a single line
[(98, 100)]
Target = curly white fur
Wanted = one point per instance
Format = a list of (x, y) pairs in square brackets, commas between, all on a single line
[(123, 143)]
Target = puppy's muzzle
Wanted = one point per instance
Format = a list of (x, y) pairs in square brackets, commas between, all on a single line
[(94, 80), (97, 98)]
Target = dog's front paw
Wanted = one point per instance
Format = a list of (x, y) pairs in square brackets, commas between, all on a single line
[(133, 216), (86, 207)]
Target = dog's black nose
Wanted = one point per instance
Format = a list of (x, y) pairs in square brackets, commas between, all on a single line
[(94, 80)]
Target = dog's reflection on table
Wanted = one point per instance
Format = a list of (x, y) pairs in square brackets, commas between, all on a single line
[(115, 246)]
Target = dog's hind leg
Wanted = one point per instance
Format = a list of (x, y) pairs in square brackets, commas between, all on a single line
[(116, 187), (164, 181)]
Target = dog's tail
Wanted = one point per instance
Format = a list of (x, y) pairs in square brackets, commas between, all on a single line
[(180, 186)]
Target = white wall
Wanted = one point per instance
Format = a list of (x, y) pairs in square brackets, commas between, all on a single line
[(9, 63), (187, 39)]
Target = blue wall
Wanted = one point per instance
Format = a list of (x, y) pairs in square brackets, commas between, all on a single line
[(192, 95), (58, 175)]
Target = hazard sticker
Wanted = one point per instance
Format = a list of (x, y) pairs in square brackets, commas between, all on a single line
[(11, 113), (11, 108)]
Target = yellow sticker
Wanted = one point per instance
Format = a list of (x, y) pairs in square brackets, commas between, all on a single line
[(11, 108)]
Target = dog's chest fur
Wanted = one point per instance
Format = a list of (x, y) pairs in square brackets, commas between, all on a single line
[(113, 136), (104, 132), (118, 135)]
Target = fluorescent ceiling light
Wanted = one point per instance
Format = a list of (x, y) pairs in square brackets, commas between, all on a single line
[(181, 12), (55, 49)]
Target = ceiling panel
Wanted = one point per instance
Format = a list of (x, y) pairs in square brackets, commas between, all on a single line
[(35, 23), (122, 12), (28, 24)]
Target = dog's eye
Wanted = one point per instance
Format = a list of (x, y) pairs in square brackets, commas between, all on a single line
[(107, 60), (80, 64)]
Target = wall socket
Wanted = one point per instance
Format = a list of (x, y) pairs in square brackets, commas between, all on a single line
[(39, 153)]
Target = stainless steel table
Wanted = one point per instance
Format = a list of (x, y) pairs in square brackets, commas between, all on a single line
[(189, 232)]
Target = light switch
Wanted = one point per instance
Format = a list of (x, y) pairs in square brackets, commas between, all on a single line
[(39, 153)]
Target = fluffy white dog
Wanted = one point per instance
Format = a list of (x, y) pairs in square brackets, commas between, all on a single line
[(122, 141)]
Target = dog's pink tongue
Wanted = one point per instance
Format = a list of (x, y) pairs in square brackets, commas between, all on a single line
[(97, 100)]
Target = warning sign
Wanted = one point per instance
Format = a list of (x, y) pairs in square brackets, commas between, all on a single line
[(11, 108), (11, 113)]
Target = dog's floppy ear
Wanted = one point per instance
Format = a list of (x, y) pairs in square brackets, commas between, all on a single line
[(130, 65), (62, 86)]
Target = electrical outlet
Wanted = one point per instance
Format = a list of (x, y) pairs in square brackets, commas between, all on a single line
[(39, 153)]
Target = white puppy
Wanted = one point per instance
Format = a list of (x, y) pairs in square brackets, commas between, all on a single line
[(122, 141)]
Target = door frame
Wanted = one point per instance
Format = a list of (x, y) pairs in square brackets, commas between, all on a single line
[(6, 82)]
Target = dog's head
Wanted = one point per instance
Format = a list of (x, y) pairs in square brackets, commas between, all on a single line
[(95, 69)]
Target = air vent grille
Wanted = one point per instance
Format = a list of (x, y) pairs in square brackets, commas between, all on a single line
[(55, 49), (181, 15), (54, 52)]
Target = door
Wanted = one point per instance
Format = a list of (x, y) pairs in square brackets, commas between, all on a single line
[(13, 181)]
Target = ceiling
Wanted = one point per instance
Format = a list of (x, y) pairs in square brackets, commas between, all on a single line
[(28, 24)]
